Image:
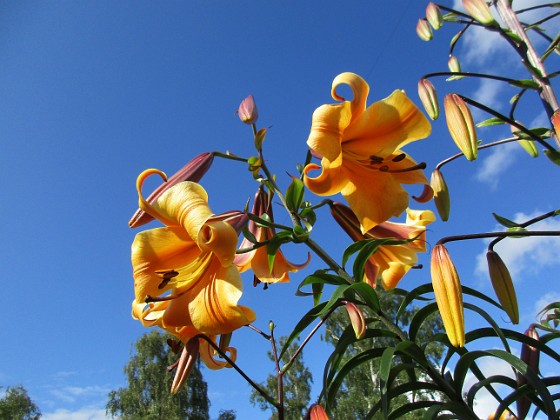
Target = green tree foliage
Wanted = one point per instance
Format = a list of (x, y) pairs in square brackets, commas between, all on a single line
[(357, 396), (226, 415), (148, 392), (16, 405), (297, 386)]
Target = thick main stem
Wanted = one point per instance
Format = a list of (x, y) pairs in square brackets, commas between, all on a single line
[(530, 58)]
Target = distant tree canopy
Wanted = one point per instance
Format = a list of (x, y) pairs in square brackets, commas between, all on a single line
[(148, 392), (16, 405), (297, 386)]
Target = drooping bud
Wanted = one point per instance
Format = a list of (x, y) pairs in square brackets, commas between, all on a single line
[(192, 171), (553, 156), (424, 30), (441, 194), (531, 356), (316, 412), (434, 16), (453, 64), (357, 319), (449, 296), (187, 361), (247, 111), (461, 125), (428, 96), (479, 10), (503, 286), (235, 218)]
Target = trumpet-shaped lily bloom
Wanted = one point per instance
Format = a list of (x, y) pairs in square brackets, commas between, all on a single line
[(390, 262), (257, 259), (184, 277), (360, 151)]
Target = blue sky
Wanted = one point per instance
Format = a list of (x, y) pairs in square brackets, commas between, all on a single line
[(92, 93)]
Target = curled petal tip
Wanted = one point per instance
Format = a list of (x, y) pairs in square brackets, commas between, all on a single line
[(427, 194)]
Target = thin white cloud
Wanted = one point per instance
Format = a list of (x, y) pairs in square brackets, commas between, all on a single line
[(526, 255), (71, 394), (498, 161), (543, 301), (85, 413)]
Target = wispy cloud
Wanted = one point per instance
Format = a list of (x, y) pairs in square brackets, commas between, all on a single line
[(84, 413), (71, 394), (496, 163)]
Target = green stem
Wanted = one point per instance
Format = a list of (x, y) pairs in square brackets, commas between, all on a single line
[(230, 156), (485, 146), (321, 253), (498, 235)]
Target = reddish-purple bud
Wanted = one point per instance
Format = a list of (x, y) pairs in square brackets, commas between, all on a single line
[(357, 319), (192, 171), (531, 356), (247, 111)]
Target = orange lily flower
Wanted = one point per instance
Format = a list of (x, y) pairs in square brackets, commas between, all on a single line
[(184, 277), (257, 259), (390, 262), (360, 151)]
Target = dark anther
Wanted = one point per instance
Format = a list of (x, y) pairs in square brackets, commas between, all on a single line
[(265, 286), (375, 159), (421, 165), (398, 158), (384, 168), (256, 281), (167, 276)]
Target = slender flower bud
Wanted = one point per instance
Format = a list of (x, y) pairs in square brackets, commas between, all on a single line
[(424, 30), (428, 96), (186, 362), (316, 412), (556, 122), (441, 194), (192, 171), (247, 111), (449, 296), (434, 16), (503, 286), (531, 356), (461, 125), (453, 64), (479, 10), (357, 319)]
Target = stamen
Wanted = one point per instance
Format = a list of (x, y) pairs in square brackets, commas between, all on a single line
[(398, 158), (167, 276), (385, 168), (375, 159)]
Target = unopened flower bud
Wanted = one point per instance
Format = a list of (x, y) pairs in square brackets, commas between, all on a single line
[(556, 122), (531, 356), (192, 171), (186, 362), (461, 125), (528, 145), (247, 111), (503, 286), (424, 30), (357, 319), (453, 64), (441, 194), (434, 16), (428, 96), (479, 10), (449, 296), (316, 412)]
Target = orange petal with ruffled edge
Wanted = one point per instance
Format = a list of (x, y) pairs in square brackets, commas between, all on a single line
[(327, 129), (207, 354), (280, 269)]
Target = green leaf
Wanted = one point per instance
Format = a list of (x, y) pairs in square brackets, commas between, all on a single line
[(294, 194), (368, 295), (309, 217), (319, 278), (271, 250), (317, 292), (505, 222), (553, 156), (385, 367), (490, 122), (525, 84), (247, 234), (259, 138)]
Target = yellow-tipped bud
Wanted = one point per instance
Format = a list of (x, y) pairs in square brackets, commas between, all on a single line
[(434, 16), (441, 195), (531, 356), (247, 111), (449, 296), (357, 319), (479, 10), (461, 125), (503, 286), (428, 96), (424, 30), (453, 64)]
